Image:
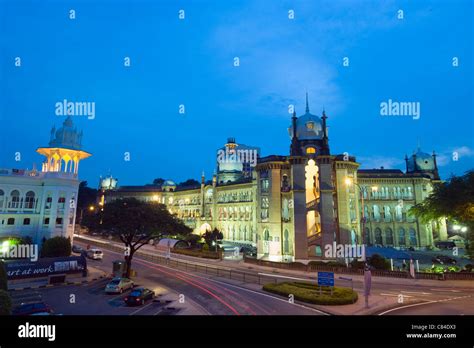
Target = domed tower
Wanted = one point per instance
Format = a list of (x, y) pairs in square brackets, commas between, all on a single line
[(308, 134), (63, 152), (423, 163)]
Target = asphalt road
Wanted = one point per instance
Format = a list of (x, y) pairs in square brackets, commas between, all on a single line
[(179, 292)]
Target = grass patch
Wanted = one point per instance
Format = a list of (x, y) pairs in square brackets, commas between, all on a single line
[(310, 293)]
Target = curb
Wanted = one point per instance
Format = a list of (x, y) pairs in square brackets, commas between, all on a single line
[(60, 284)]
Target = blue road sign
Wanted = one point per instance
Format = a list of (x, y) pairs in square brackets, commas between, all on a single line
[(325, 279)]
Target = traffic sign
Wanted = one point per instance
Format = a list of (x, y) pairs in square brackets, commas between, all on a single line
[(325, 278)]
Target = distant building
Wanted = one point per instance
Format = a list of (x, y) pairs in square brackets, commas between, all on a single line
[(290, 207), (42, 204)]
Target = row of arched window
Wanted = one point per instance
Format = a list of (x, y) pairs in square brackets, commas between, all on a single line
[(16, 201), (389, 238), (385, 192)]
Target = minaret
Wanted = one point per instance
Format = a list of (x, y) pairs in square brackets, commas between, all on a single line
[(307, 104), (436, 173), (294, 148), (325, 134), (406, 162)]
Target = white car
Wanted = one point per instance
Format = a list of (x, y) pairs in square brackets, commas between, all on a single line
[(119, 285), (95, 254)]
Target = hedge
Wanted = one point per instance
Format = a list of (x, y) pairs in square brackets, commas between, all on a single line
[(197, 253), (3, 277), (5, 303), (310, 293)]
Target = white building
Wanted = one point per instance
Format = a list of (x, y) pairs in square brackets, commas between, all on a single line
[(42, 204)]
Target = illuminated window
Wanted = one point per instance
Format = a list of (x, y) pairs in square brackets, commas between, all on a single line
[(310, 150), (310, 125)]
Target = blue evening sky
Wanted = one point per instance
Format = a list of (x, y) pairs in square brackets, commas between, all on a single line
[(190, 62)]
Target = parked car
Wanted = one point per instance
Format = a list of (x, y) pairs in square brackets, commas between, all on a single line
[(119, 285), (95, 254), (77, 249), (139, 296), (446, 244), (31, 308), (444, 260)]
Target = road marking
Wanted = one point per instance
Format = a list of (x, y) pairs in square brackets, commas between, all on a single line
[(141, 308), (407, 306), (416, 292), (445, 290), (423, 303), (280, 276), (383, 294), (231, 285)]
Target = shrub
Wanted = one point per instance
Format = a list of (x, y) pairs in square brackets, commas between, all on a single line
[(310, 293), (56, 247), (468, 267), (197, 253), (3, 276), (379, 262), (5, 303)]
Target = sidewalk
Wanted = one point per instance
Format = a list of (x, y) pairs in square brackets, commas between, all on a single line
[(71, 279)]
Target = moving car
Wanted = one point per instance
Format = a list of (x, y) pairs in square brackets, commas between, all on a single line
[(31, 308), (139, 296), (77, 249), (95, 254), (118, 285), (447, 244), (444, 260)]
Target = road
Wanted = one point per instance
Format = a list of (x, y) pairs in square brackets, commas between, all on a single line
[(189, 293)]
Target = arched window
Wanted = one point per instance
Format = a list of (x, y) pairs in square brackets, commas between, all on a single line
[(367, 240), (376, 212), (378, 236), (286, 242), (30, 200), (310, 150), (15, 199), (387, 213), (2, 199), (412, 235), (389, 236), (401, 237), (410, 193), (266, 239), (399, 212)]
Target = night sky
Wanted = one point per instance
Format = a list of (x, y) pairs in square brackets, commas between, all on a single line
[(191, 62)]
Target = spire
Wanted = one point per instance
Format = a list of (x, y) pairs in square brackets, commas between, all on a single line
[(307, 104)]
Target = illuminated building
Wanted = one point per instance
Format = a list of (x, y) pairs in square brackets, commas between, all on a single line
[(289, 207), (42, 204)]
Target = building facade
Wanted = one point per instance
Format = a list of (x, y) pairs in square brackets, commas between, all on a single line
[(289, 207), (42, 203)]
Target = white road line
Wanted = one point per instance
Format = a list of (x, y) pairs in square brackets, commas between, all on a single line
[(445, 290), (407, 306), (280, 276), (423, 303), (383, 294), (142, 308), (416, 292)]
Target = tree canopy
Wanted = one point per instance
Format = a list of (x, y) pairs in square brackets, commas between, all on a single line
[(453, 199), (135, 222)]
